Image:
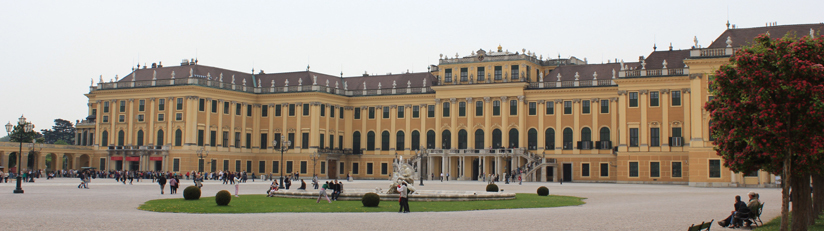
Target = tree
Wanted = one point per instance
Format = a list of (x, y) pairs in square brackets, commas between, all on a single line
[(62, 130), (767, 114)]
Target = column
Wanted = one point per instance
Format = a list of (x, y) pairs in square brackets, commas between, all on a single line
[(541, 106), (438, 116), (151, 132), (665, 126), (595, 111), (243, 126), (98, 129), (314, 126), (170, 134), (407, 115), (422, 114), (129, 131), (453, 124), (364, 119), (487, 123), (219, 133), (643, 136), (576, 127), (613, 111), (622, 124), (470, 127), (522, 138), (112, 122), (393, 135), (559, 129), (504, 123), (687, 126), (207, 134), (697, 130), (378, 131), (347, 127)]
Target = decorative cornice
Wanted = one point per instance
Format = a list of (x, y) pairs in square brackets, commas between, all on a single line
[(559, 101), (486, 99), (596, 100), (685, 90), (697, 75), (613, 99), (437, 101), (541, 101), (452, 100), (520, 98), (408, 105), (503, 98), (220, 100), (643, 92), (576, 100), (393, 106), (348, 108), (469, 99), (315, 103), (622, 92), (665, 91)]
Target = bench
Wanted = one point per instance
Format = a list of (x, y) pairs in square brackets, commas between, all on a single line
[(755, 216), (702, 226)]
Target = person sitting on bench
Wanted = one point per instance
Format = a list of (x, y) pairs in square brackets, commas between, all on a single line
[(734, 220)]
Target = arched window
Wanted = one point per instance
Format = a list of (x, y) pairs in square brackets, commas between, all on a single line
[(159, 138), (140, 138), (604, 134), (586, 134), (532, 139), (549, 139), (447, 139), (430, 139), (356, 149), (496, 138), (121, 136), (416, 140), (178, 137), (385, 140), (370, 141), (462, 136), (104, 140), (567, 138), (399, 145), (513, 138), (479, 139)]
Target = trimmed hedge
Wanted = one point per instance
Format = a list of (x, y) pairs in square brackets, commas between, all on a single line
[(223, 197), (191, 193), (371, 200), (543, 191), (492, 188)]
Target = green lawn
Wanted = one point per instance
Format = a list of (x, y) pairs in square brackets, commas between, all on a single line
[(263, 204), (775, 224)]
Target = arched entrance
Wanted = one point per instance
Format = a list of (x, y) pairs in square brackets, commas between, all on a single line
[(68, 161), (51, 161), (84, 161), (31, 161), (12, 161)]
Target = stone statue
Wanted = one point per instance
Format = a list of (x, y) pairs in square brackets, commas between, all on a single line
[(154, 75), (233, 79), (403, 173), (408, 83), (209, 75), (379, 85), (595, 75), (173, 74), (336, 85), (191, 72), (327, 83), (345, 86), (559, 77), (393, 84), (364, 85), (300, 82), (273, 83), (287, 82), (221, 77), (258, 83), (244, 82), (424, 82), (314, 80)]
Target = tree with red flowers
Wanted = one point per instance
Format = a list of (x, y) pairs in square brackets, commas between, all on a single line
[(768, 114)]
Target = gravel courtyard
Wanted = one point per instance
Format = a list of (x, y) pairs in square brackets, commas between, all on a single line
[(58, 204)]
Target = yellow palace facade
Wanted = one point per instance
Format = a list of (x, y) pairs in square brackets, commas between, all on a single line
[(491, 112)]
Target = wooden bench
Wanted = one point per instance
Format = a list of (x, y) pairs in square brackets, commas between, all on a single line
[(755, 216), (702, 226)]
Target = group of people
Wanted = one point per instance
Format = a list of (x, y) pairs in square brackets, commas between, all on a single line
[(743, 211), (335, 186)]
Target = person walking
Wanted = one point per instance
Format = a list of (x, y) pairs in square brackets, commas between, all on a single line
[(404, 200), (173, 185), (162, 182), (322, 193), (441, 176)]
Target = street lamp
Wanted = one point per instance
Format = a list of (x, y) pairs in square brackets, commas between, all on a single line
[(27, 127), (285, 146), (420, 154), (314, 157), (202, 153)]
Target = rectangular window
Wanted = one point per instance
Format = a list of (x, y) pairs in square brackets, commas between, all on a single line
[(199, 137), (105, 119), (676, 132), (106, 107), (633, 137), (446, 109), (550, 107), (121, 118), (237, 165), (140, 118), (604, 106), (533, 108), (249, 110), (384, 168), (514, 72), (320, 141), (225, 142), (585, 106), (480, 74), (179, 104), (340, 109), (430, 111), (479, 108), (604, 169), (306, 109), (498, 72), (462, 109), (292, 109), (141, 105), (496, 108), (355, 168), (238, 108), (201, 106), (386, 112), (401, 111), (176, 165), (264, 110), (261, 166), (102, 164), (291, 137), (178, 116), (123, 106), (368, 168), (676, 169), (676, 98), (371, 113), (633, 169), (304, 141), (654, 137), (323, 110), (513, 107), (654, 169), (585, 170), (212, 138), (653, 99), (226, 108), (715, 168), (248, 166), (161, 104), (633, 99), (264, 141), (416, 111), (447, 75), (248, 140), (567, 107), (303, 167), (237, 139), (332, 111), (357, 113), (214, 106), (323, 167), (464, 74), (275, 166), (288, 166), (277, 110)]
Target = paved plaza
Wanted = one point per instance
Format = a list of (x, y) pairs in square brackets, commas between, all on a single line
[(59, 204)]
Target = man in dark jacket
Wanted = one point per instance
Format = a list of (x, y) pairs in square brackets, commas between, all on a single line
[(162, 182), (741, 210)]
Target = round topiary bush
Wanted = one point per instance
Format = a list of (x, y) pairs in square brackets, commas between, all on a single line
[(371, 200), (223, 197), (543, 191), (191, 193), (492, 188)]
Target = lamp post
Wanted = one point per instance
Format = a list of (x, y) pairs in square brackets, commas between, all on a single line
[(421, 154), (314, 157), (285, 146), (27, 127), (202, 153)]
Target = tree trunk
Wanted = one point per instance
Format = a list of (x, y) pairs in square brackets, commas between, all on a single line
[(785, 193), (802, 203), (818, 190)]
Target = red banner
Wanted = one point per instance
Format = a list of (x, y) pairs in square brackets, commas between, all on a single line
[(158, 158), (132, 158), (117, 158)]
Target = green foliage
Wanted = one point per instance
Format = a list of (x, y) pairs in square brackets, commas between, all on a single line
[(19, 134), (371, 200), (5, 139), (191, 193), (543, 191), (61, 142), (223, 197), (62, 130), (263, 204), (492, 188)]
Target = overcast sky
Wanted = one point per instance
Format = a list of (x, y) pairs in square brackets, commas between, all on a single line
[(50, 51)]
